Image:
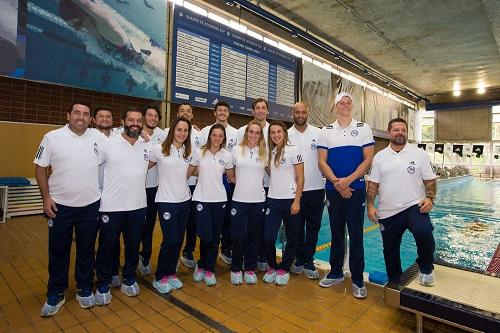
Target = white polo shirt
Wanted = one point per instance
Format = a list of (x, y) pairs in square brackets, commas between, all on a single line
[(241, 134), (211, 168), (249, 170), (231, 136), (172, 170), (345, 149), (125, 172), (156, 139), (400, 177), (196, 142), (283, 184), (307, 142), (75, 160)]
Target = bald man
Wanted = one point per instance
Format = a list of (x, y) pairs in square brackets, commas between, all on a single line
[(306, 136)]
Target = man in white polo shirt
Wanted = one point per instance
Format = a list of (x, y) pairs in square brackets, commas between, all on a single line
[(186, 110), (71, 202), (403, 177), (156, 136), (221, 113), (345, 153), (305, 136), (123, 204), (260, 111)]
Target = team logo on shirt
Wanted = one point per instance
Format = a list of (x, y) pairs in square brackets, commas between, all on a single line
[(258, 160), (50, 222), (299, 158), (222, 162), (146, 155), (187, 160), (105, 218), (167, 216), (197, 142), (199, 207), (411, 169), (230, 145), (314, 146), (39, 153), (283, 160), (96, 149), (360, 124), (233, 211), (354, 133), (268, 211)]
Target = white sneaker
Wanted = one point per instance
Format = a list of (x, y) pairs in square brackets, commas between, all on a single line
[(144, 269), (359, 292), (188, 262), (327, 282), (236, 278), (174, 282), (86, 302), (226, 259), (115, 281), (426, 279), (131, 291), (313, 275), (270, 276), (262, 266), (209, 278), (297, 269), (250, 277), (162, 285), (52, 306), (198, 274), (103, 298), (282, 277)]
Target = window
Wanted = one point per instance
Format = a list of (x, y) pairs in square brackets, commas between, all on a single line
[(428, 126), (495, 120)]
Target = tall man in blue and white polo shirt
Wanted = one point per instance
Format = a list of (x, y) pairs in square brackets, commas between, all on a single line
[(305, 136), (156, 136), (71, 202), (221, 113), (345, 152), (186, 110), (260, 111), (402, 175), (123, 204)]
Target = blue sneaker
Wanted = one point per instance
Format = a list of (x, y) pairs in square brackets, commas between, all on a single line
[(52, 306), (174, 281)]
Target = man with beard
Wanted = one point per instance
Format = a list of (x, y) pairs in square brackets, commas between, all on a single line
[(305, 136), (123, 204), (221, 113), (71, 202), (345, 152), (156, 136), (103, 122), (402, 175), (186, 110)]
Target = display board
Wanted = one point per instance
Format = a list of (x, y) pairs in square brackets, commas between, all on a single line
[(212, 62), (103, 45)]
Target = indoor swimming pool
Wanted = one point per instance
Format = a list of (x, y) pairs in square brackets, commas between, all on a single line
[(466, 219)]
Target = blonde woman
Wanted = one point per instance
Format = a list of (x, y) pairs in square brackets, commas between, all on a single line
[(248, 206)]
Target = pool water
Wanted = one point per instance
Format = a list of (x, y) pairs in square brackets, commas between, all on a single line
[(466, 219)]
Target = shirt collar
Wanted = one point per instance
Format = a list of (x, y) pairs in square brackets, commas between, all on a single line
[(70, 133), (352, 124), (406, 148)]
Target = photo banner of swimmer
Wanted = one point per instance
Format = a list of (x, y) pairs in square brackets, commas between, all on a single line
[(12, 42), (212, 62), (115, 46)]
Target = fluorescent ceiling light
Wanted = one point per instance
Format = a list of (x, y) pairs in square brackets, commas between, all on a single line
[(195, 8)]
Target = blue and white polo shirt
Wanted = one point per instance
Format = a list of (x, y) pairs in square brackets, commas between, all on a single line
[(345, 149)]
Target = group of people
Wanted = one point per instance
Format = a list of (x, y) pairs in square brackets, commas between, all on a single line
[(228, 187)]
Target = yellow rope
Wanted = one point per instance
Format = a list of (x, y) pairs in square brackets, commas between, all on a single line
[(329, 244)]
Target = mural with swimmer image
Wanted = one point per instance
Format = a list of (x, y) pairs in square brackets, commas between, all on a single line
[(115, 46)]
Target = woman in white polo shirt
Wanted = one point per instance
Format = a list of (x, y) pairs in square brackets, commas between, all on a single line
[(248, 205), (173, 198), (286, 170), (210, 199)]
